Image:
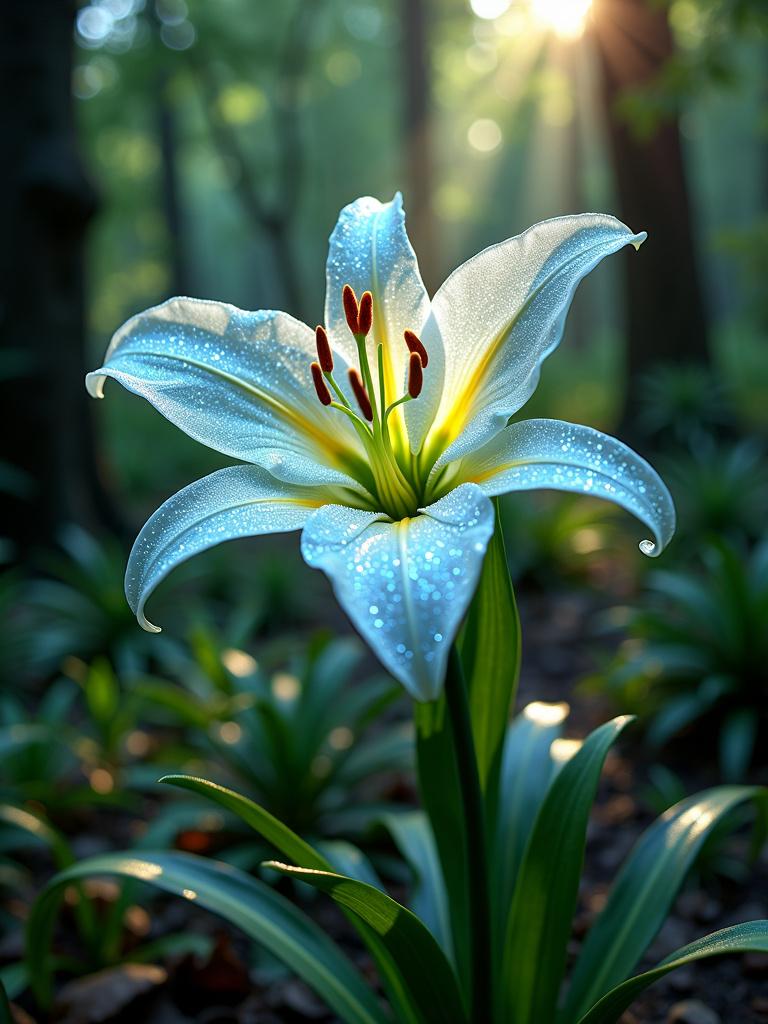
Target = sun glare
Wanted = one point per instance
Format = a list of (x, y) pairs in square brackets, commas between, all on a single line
[(566, 17)]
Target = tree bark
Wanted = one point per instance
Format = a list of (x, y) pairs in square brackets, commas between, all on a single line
[(46, 202), (667, 319), (417, 134)]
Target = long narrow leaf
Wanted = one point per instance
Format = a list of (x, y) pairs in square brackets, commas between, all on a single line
[(643, 893), (296, 849), (426, 973), (267, 825), (526, 773), (440, 789), (413, 836), (251, 905), (751, 937), (539, 924), (490, 653)]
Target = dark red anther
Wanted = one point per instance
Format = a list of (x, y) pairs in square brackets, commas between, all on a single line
[(415, 374), (414, 345), (324, 354), (361, 395), (320, 386), (351, 308), (365, 313)]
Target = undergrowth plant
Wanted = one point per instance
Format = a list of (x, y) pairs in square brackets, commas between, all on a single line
[(697, 651), (303, 736)]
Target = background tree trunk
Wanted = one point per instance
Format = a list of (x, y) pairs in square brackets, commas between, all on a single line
[(46, 202), (417, 135), (667, 320)]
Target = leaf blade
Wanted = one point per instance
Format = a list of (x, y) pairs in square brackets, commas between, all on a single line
[(244, 901), (539, 922), (427, 975), (751, 937), (643, 891)]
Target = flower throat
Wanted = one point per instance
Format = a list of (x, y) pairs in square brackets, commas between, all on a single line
[(396, 485)]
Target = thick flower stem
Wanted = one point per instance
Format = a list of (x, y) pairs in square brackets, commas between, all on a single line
[(475, 838)]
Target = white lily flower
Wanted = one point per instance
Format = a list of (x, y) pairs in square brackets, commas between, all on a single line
[(384, 438)]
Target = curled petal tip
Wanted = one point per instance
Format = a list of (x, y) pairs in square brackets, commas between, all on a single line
[(146, 625), (638, 240), (94, 384)]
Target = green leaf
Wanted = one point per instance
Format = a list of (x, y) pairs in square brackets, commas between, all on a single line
[(40, 831), (102, 692), (751, 937), (295, 848), (413, 836), (267, 825), (490, 653), (539, 923), (526, 772), (427, 976), (643, 893), (247, 903), (346, 859), (441, 797), (738, 734)]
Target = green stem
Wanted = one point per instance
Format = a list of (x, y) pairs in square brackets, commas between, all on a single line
[(475, 839)]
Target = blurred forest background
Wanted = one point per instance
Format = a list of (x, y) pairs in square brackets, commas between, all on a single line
[(207, 148), (160, 147)]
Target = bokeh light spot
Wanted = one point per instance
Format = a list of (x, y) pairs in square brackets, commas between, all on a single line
[(484, 135), (567, 18), (489, 8)]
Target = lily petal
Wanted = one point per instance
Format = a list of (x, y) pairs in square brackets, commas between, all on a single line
[(502, 313), (405, 585), (238, 382), (239, 501), (369, 249), (561, 456)]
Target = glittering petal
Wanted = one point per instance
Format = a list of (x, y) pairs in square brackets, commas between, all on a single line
[(238, 382), (560, 456), (502, 313), (406, 585), (369, 250), (239, 501)]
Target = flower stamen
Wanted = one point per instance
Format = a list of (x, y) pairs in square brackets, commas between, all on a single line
[(351, 308), (324, 353), (415, 344), (360, 394), (365, 314), (320, 386), (415, 375)]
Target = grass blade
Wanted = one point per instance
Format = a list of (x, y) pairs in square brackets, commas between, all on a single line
[(643, 893), (426, 973), (490, 653), (751, 937), (539, 924)]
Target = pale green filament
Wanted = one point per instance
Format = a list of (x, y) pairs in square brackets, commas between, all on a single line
[(398, 490)]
